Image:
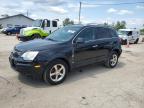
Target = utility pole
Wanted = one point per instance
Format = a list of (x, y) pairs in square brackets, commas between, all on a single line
[(80, 12)]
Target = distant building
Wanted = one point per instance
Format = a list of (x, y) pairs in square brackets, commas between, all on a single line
[(16, 20)]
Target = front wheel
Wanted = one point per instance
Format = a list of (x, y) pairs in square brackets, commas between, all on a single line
[(112, 60), (136, 41), (9, 33), (36, 36), (56, 72)]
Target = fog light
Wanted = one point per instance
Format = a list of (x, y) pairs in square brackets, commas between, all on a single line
[(37, 66)]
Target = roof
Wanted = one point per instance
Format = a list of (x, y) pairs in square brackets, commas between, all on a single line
[(91, 25), (17, 15)]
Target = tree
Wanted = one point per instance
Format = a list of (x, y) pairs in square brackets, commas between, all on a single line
[(106, 24), (120, 25), (67, 21), (142, 31)]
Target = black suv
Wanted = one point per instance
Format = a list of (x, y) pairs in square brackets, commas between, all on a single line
[(67, 48)]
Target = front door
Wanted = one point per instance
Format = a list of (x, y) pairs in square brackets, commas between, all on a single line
[(46, 26), (85, 52)]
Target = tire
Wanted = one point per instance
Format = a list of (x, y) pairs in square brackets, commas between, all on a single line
[(124, 42), (55, 77), (9, 33), (112, 60), (136, 42), (36, 36)]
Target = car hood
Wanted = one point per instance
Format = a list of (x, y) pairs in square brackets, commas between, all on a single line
[(36, 45), (122, 36)]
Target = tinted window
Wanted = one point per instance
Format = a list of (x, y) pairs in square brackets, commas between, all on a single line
[(87, 34), (101, 32), (113, 33), (54, 23), (17, 25), (129, 33)]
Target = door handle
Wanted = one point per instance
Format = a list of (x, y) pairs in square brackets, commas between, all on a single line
[(95, 46)]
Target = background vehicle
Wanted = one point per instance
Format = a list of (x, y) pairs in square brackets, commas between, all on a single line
[(12, 30), (40, 29), (132, 35), (69, 47)]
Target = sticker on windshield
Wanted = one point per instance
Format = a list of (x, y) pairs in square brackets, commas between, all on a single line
[(71, 31)]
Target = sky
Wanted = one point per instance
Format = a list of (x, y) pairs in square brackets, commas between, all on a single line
[(61, 9)]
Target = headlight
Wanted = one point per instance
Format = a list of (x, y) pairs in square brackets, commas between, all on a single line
[(30, 55)]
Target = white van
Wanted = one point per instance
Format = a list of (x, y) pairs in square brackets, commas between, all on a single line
[(132, 35)]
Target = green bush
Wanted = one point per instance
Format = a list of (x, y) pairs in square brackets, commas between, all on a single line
[(142, 31)]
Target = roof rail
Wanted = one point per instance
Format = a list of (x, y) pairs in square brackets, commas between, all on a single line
[(91, 24)]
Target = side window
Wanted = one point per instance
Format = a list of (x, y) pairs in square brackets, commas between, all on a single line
[(54, 23), (17, 25), (129, 33), (48, 23), (101, 32), (86, 34), (9, 25)]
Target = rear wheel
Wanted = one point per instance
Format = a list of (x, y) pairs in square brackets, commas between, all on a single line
[(112, 60), (56, 72), (136, 41)]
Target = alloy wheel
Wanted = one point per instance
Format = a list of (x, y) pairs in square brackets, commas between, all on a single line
[(57, 72), (113, 60)]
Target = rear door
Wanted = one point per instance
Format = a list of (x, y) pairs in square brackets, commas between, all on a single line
[(103, 37)]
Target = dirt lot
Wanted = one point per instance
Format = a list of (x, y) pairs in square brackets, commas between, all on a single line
[(94, 87)]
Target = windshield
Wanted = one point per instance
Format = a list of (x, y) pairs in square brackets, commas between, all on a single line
[(124, 32), (63, 34), (37, 23)]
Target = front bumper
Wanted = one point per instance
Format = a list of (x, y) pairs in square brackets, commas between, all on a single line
[(4, 32), (26, 68), (24, 38)]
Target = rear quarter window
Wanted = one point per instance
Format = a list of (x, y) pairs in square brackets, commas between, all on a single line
[(102, 32), (114, 33)]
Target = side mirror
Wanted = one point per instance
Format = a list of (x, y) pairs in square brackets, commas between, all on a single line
[(79, 40)]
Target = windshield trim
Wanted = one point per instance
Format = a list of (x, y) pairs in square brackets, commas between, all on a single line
[(70, 39)]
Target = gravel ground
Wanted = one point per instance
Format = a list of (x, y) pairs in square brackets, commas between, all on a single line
[(93, 87)]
